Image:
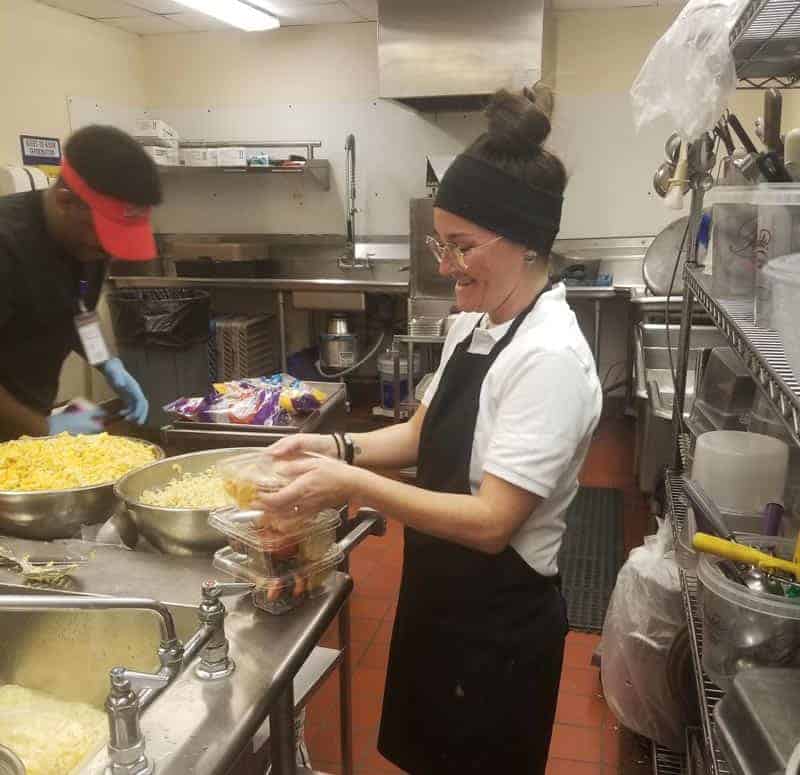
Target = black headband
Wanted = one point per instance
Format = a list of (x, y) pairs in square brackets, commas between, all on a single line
[(489, 197)]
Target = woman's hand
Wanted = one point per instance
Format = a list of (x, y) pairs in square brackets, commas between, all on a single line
[(293, 447), (319, 484)]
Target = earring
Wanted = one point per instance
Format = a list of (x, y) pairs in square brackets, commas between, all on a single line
[(530, 256)]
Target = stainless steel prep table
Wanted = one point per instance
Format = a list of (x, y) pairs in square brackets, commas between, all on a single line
[(196, 726)]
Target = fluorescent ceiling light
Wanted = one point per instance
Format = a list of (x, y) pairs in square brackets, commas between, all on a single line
[(238, 14)]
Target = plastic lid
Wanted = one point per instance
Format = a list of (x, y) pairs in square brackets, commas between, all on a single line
[(741, 443), (761, 602), (232, 563), (264, 539), (244, 475)]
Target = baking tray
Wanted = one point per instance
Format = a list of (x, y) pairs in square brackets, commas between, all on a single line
[(335, 392)]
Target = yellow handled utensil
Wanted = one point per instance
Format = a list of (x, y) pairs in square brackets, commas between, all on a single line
[(703, 542), (796, 557)]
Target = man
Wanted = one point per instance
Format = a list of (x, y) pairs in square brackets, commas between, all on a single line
[(54, 247)]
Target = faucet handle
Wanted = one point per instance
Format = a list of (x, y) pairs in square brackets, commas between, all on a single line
[(124, 680), (213, 589)]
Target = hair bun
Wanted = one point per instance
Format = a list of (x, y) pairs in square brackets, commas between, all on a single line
[(519, 123)]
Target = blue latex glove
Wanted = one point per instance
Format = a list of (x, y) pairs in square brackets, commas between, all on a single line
[(127, 388), (76, 423)]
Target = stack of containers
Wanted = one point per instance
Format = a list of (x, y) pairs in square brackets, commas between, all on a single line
[(725, 396), (288, 563), (245, 346), (160, 141)]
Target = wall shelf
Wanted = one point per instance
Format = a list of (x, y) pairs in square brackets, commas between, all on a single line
[(319, 170)]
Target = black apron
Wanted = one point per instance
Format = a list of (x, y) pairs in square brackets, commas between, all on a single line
[(478, 641)]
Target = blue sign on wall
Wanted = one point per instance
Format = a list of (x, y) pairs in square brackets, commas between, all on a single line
[(40, 150)]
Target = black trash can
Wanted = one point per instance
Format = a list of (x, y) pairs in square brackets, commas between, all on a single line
[(162, 337)]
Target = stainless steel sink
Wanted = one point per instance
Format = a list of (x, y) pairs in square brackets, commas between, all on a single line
[(69, 653)]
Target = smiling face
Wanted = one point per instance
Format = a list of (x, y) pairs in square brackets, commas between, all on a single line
[(492, 271)]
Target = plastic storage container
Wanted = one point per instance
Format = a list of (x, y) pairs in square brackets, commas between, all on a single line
[(280, 594), (785, 276), (765, 420), (246, 475), (386, 374), (741, 471), (704, 418), (752, 225), (277, 553), (726, 387), (743, 628)]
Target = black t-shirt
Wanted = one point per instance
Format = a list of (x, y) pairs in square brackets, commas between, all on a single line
[(39, 289)]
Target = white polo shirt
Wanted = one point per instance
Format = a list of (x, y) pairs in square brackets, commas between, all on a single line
[(539, 406)]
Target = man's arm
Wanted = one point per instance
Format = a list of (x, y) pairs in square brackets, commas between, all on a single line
[(16, 419)]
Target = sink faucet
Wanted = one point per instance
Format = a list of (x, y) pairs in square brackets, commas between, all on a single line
[(348, 260), (123, 706)]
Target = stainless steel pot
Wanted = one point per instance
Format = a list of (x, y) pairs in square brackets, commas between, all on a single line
[(173, 531), (10, 763), (48, 514)]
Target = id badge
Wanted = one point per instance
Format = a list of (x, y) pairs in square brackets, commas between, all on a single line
[(92, 339)]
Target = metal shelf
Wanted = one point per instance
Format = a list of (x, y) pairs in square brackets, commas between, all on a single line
[(666, 762), (763, 42), (708, 692), (318, 170), (760, 349)]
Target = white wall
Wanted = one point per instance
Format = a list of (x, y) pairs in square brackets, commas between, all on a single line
[(48, 56)]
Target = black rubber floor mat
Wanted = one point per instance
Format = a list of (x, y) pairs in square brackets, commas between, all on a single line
[(592, 553)]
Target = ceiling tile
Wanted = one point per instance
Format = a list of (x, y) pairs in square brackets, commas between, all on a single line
[(98, 9), (159, 6), (366, 8), (199, 22), (148, 25), (328, 13)]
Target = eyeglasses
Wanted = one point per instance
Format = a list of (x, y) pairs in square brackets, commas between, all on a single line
[(448, 251)]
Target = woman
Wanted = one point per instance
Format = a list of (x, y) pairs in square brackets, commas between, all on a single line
[(499, 440)]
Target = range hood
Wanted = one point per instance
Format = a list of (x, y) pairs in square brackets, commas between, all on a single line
[(451, 54)]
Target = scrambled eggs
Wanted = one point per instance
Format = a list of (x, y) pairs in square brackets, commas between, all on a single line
[(65, 462), (51, 736), (189, 491)]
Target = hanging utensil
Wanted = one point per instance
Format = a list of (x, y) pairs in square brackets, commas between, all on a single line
[(662, 177), (773, 108)]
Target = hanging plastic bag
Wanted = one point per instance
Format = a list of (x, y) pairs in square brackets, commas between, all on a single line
[(644, 616), (689, 74)]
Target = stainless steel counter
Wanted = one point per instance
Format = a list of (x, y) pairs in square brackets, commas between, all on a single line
[(196, 726)]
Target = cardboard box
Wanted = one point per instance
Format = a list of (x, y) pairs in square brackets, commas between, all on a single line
[(155, 127), (165, 157), (232, 157), (199, 157), (158, 141)]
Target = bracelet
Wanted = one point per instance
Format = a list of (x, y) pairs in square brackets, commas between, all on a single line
[(349, 448), (338, 446)]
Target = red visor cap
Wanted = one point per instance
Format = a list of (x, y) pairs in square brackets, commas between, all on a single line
[(124, 229)]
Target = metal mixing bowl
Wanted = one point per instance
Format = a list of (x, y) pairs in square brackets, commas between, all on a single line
[(48, 514), (10, 763), (174, 531)]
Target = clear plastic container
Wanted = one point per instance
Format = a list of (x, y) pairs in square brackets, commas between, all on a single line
[(705, 418), (284, 593), (274, 553), (743, 628), (741, 471), (726, 387), (246, 475), (784, 274), (751, 225)]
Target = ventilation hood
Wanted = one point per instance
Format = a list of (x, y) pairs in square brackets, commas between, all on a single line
[(451, 54)]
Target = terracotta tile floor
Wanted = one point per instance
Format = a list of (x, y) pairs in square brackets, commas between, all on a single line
[(586, 739)]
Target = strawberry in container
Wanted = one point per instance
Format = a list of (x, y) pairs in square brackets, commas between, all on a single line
[(275, 552), (278, 594)]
